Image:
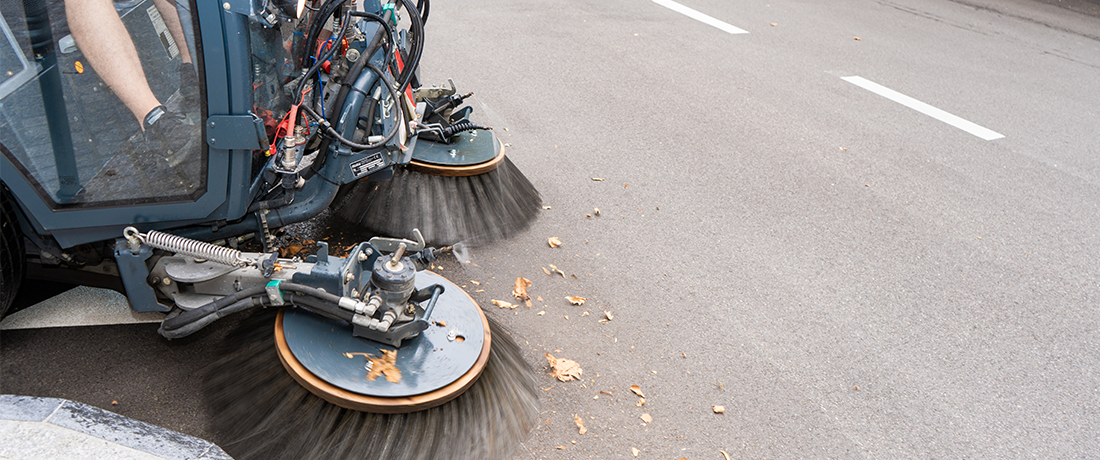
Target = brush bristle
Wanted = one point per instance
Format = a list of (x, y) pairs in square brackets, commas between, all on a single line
[(260, 412), (473, 209)]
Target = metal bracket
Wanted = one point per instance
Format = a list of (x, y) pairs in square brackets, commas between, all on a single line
[(243, 7), (391, 244), (224, 132)]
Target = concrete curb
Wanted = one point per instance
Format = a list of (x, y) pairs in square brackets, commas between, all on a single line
[(41, 428)]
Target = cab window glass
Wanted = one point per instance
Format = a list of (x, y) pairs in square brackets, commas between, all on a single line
[(100, 100)]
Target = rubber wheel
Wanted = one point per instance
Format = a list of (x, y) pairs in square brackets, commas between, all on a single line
[(11, 253)]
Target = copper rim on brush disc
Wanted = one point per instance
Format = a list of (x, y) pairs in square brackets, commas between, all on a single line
[(376, 404), (458, 171)]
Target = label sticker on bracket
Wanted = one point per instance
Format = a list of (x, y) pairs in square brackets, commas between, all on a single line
[(367, 165)]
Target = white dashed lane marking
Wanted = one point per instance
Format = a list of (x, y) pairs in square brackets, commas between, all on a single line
[(699, 16), (968, 126)]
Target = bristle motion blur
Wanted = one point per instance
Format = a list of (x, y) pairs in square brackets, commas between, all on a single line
[(474, 209), (261, 412)]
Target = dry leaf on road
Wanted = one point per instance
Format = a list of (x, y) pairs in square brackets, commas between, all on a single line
[(520, 290), (564, 369), (555, 269), (637, 390), (580, 424), (719, 409), (647, 418), (576, 300), (503, 304), (635, 451), (641, 402), (553, 241)]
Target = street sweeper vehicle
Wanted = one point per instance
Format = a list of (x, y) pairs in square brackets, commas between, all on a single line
[(146, 143)]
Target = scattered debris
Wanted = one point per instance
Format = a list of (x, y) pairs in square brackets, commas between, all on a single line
[(637, 390), (476, 283), (856, 38), (580, 424), (440, 323), (596, 211), (503, 304), (718, 409), (553, 241), (386, 365), (608, 315), (598, 179), (114, 403), (541, 312), (576, 300), (546, 207), (561, 447), (555, 269), (564, 369), (635, 451), (520, 289), (774, 24), (584, 314), (724, 454), (647, 418)]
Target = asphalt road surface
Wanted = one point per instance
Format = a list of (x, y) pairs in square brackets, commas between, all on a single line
[(868, 229)]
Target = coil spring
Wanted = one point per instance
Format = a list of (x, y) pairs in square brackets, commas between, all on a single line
[(189, 247)]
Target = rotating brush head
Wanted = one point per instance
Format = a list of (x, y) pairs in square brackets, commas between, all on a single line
[(261, 412), (473, 209)]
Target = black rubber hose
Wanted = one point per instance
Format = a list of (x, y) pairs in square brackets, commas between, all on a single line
[(201, 322), (191, 321), (423, 6), (328, 55), (350, 78), (417, 31), (399, 113), (317, 23), (211, 308)]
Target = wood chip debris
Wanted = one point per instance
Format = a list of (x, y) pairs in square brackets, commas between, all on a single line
[(564, 369), (555, 269), (580, 424), (647, 418), (724, 454), (503, 304), (386, 365), (635, 451), (520, 289), (576, 300), (608, 317), (553, 241), (598, 179), (718, 409), (637, 390)]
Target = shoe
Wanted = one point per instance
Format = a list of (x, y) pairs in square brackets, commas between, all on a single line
[(172, 135)]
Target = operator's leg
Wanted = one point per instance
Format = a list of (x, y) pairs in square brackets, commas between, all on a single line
[(103, 39)]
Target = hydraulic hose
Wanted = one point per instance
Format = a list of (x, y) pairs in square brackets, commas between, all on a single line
[(316, 300), (399, 114)]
